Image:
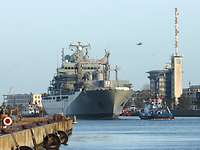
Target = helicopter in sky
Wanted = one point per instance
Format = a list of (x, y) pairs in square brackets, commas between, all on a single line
[(140, 43)]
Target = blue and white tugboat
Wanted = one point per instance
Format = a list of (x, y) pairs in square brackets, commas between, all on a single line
[(154, 109)]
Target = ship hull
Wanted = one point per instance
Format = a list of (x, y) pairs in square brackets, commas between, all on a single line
[(53, 106), (97, 104)]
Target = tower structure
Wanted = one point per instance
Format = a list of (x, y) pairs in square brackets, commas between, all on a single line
[(177, 65)]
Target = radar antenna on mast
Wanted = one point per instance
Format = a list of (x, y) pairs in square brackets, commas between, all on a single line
[(79, 46), (80, 50)]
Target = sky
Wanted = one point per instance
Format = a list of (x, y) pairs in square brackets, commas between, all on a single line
[(32, 34)]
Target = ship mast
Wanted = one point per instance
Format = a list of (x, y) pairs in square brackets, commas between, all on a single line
[(63, 57), (107, 66), (116, 72)]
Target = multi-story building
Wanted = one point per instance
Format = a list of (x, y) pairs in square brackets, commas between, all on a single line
[(193, 93), (157, 82), (168, 86), (23, 99), (160, 82), (37, 99), (17, 99)]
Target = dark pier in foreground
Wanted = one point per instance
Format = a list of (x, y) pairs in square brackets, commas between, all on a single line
[(36, 135)]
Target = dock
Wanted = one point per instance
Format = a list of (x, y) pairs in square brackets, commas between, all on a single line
[(36, 134)]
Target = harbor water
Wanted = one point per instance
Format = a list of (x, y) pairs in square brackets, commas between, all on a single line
[(131, 133)]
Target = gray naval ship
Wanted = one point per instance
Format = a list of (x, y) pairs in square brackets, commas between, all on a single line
[(82, 86)]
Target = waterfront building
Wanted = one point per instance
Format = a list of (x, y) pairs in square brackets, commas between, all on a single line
[(160, 82), (168, 74), (157, 82), (193, 94), (37, 99), (23, 99)]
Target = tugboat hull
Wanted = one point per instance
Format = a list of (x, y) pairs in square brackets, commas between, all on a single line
[(157, 117)]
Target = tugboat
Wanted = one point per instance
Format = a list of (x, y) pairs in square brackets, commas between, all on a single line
[(155, 110)]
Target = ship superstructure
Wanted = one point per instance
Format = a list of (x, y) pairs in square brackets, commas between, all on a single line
[(96, 95)]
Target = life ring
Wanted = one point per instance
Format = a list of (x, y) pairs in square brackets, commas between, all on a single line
[(7, 121)]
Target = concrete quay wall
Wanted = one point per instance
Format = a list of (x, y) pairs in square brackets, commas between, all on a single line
[(25, 138)]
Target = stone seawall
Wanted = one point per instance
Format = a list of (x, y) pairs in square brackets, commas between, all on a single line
[(26, 137)]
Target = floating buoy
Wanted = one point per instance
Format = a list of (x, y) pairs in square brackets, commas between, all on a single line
[(7, 121), (63, 137), (51, 142)]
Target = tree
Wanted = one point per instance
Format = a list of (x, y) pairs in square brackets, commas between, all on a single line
[(140, 97), (185, 102)]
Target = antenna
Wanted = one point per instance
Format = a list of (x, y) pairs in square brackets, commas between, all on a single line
[(176, 32), (57, 64), (189, 84), (63, 57)]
